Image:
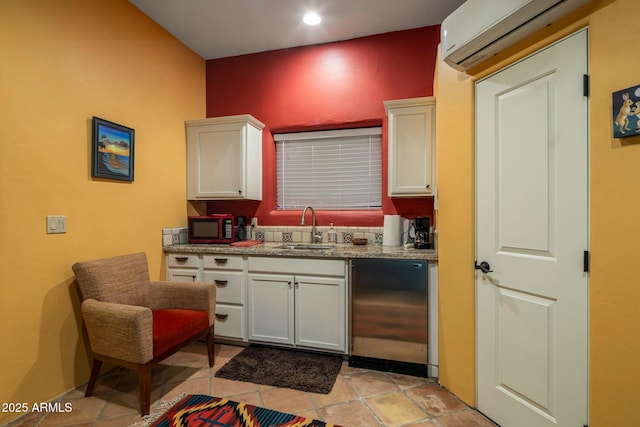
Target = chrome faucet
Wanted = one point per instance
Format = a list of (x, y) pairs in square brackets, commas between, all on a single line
[(315, 238)]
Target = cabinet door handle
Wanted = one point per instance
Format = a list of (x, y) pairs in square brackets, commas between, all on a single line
[(221, 316), (220, 260), (221, 282), (182, 258)]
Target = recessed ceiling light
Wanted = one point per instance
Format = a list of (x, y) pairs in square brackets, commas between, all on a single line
[(312, 18)]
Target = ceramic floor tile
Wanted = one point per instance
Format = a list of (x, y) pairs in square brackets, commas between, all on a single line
[(250, 398), (196, 386), (122, 404), (341, 392), (227, 350), (219, 363), (126, 420), (188, 354), (27, 420), (351, 414), (396, 409), (128, 381), (311, 413), (127, 396), (408, 381), (187, 371), (105, 386), (360, 397), (348, 371), (465, 418), (435, 399), (371, 383), (286, 400), (224, 388), (428, 423), (83, 410)]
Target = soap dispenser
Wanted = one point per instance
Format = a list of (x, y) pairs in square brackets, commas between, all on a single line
[(333, 236)]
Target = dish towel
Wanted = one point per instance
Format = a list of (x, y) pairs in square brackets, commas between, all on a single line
[(247, 243)]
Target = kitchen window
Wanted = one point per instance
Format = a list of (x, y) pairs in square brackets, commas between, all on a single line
[(335, 169)]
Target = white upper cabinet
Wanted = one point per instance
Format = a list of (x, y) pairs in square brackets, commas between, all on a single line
[(411, 144), (224, 158)]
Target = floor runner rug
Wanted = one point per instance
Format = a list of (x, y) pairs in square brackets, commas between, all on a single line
[(198, 410), (299, 370)]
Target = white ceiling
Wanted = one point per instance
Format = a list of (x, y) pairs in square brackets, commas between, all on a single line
[(221, 28)]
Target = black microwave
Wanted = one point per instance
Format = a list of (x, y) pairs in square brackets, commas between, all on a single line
[(214, 228)]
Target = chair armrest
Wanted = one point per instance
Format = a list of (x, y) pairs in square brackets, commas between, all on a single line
[(120, 331), (187, 296)]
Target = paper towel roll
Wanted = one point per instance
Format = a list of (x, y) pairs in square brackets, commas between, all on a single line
[(392, 230)]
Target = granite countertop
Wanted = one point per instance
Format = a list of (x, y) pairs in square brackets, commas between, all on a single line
[(340, 251)]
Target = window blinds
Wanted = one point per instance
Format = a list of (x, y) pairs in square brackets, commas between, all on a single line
[(337, 169)]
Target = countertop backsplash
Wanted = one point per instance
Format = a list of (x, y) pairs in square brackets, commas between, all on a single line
[(287, 234), (174, 236), (302, 234)]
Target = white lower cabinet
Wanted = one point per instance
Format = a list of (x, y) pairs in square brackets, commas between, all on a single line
[(306, 307), (183, 268), (175, 275), (227, 272), (271, 305), (320, 312), (299, 302)]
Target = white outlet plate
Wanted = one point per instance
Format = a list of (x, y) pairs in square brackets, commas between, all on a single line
[(56, 224)]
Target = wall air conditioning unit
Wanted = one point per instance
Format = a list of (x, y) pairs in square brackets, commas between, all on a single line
[(479, 29)]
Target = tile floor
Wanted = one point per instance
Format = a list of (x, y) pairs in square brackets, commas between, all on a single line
[(360, 397)]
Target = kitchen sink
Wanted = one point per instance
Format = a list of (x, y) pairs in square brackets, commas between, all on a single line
[(307, 246)]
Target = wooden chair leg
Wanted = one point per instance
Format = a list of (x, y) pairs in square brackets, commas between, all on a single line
[(95, 371), (144, 384), (210, 347)]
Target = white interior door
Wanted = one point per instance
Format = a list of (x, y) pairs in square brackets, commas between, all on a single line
[(532, 229)]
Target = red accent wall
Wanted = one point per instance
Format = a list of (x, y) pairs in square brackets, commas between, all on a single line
[(334, 85)]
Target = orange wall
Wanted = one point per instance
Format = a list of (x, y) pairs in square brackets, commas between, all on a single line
[(61, 63), (614, 291)]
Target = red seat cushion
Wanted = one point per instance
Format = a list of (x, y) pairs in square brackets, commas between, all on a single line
[(172, 327)]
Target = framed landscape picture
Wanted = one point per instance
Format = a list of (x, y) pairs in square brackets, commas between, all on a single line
[(112, 150)]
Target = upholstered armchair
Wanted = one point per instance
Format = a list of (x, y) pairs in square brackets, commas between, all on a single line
[(136, 323)]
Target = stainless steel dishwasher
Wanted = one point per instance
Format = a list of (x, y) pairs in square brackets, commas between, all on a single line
[(389, 315)]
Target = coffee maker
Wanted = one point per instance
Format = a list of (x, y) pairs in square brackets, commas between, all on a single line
[(421, 226)]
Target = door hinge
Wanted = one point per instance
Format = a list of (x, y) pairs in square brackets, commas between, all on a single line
[(586, 262), (585, 85)]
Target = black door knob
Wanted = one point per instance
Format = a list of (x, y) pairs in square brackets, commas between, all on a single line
[(484, 266)]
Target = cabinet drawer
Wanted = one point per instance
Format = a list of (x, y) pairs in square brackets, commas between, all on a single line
[(183, 275), (182, 260), (227, 262), (229, 285), (229, 321), (322, 267)]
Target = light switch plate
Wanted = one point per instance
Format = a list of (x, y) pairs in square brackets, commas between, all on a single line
[(56, 224)]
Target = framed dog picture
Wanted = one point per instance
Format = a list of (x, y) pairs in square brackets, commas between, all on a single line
[(626, 112), (112, 150)]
